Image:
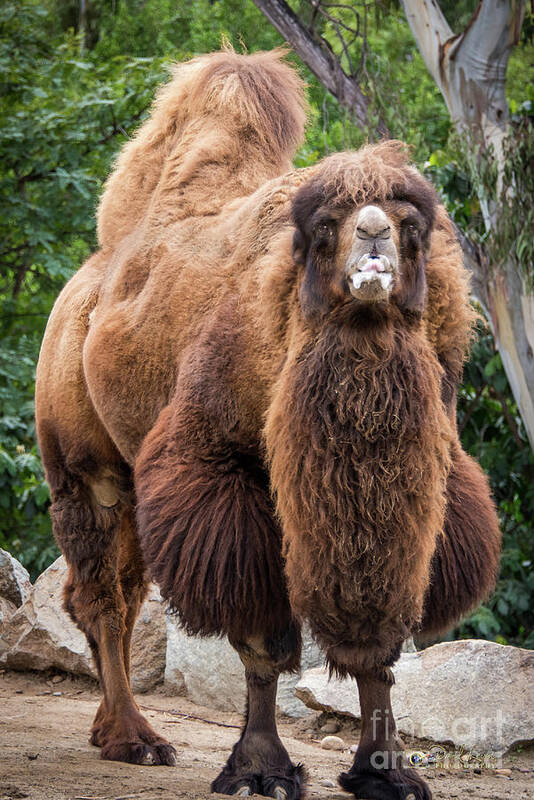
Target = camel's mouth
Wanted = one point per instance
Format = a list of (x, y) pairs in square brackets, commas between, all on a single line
[(373, 279)]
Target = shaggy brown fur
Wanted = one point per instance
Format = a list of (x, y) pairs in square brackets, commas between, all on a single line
[(208, 359), (464, 564), (360, 478)]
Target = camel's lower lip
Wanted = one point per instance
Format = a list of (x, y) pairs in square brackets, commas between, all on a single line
[(361, 279)]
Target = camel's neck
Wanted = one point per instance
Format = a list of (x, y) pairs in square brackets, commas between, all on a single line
[(366, 425), (359, 447), (367, 391)]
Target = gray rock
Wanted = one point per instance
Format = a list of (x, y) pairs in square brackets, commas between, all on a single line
[(40, 635), (7, 609), (332, 726), (209, 672), (473, 693), (149, 643), (15, 584)]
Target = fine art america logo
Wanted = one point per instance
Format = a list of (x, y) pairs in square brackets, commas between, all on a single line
[(464, 729)]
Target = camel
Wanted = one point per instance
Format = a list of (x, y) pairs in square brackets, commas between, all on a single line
[(247, 394)]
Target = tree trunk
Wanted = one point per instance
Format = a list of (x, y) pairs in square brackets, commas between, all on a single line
[(511, 313), (470, 71)]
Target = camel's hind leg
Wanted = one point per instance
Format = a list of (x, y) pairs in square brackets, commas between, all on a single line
[(133, 586), (92, 515)]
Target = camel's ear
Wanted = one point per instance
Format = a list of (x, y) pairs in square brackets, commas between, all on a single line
[(411, 297), (299, 247), (314, 290)]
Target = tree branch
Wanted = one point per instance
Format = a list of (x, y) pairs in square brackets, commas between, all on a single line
[(430, 30), (321, 62)]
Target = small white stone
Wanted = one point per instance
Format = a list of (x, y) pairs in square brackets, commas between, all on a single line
[(332, 743), (327, 782)]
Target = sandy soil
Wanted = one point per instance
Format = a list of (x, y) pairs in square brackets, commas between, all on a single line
[(44, 752)]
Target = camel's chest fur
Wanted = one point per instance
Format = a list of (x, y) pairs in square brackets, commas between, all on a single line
[(359, 466)]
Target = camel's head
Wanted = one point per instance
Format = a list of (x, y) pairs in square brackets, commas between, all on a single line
[(362, 227)]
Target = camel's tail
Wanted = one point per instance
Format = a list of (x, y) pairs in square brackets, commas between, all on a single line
[(224, 124)]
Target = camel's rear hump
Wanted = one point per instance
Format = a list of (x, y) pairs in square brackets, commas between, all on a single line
[(219, 129)]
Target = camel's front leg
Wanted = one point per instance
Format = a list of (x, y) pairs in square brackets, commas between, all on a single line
[(259, 762), (378, 772)]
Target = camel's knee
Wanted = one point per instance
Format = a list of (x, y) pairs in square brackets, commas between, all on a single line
[(267, 656), (97, 602), (466, 561)]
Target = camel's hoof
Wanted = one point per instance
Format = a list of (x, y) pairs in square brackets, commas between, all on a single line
[(161, 754), (391, 784), (286, 787), (281, 787)]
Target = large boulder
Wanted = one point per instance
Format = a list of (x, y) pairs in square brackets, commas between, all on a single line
[(209, 672), (40, 635), (149, 643), (472, 693), (7, 609), (15, 584)]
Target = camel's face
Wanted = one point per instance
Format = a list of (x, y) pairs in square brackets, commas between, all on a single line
[(367, 255), (380, 247)]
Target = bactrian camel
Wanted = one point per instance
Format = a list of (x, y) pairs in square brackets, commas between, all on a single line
[(248, 395)]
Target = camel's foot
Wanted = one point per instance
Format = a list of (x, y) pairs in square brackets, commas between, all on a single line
[(385, 784), (130, 738), (286, 785), (250, 772)]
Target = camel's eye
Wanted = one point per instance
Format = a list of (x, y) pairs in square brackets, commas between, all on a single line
[(411, 231), (324, 230)]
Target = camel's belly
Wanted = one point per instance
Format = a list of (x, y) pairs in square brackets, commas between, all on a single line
[(129, 380)]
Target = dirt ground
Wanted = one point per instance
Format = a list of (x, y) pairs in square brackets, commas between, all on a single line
[(45, 755)]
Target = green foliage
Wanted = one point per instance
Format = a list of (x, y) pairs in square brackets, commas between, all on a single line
[(403, 92), (63, 117), (71, 94), (492, 432), (24, 496)]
